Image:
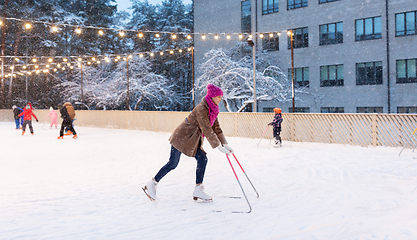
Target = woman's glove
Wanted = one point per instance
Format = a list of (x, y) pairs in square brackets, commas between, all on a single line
[(229, 148), (223, 150)]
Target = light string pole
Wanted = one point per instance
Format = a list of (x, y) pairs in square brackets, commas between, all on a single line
[(291, 34)]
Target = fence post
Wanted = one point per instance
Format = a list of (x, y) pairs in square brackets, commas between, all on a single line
[(292, 127), (374, 129), (235, 124)]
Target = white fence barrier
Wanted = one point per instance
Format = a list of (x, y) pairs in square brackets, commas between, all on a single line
[(394, 130)]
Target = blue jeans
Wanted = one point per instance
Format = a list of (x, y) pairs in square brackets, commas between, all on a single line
[(17, 122), (174, 159)]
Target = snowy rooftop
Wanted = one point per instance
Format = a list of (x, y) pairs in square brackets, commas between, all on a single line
[(90, 188)]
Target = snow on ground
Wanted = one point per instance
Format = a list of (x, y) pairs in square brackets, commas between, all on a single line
[(90, 188)]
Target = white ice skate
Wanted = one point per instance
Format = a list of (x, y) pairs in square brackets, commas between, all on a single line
[(150, 189), (200, 194)]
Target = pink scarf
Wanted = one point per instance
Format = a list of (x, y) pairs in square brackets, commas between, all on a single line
[(213, 110)]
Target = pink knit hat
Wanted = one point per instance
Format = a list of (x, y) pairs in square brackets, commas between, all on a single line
[(213, 91)]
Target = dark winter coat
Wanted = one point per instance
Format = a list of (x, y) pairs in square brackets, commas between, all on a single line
[(65, 115), (28, 113), (277, 120), (16, 112), (188, 136)]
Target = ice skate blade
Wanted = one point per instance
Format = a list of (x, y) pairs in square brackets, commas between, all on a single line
[(144, 190), (202, 199)]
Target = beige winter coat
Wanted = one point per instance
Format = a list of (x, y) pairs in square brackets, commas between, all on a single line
[(70, 110), (188, 136)]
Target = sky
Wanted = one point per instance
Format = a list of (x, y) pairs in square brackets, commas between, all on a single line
[(90, 188), (125, 4)]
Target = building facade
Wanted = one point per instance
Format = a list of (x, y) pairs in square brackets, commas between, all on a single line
[(352, 56)]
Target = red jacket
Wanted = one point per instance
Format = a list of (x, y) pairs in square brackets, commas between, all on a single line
[(28, 113)]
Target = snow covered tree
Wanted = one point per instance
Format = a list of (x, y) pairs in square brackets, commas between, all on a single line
[(147, 90), (235, 77)]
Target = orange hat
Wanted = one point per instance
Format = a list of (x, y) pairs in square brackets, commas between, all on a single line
[(277, 110)]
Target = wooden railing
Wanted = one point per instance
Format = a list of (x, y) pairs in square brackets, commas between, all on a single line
[(393, 130)]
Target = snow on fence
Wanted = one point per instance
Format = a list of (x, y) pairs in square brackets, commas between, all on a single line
[(394, 130)]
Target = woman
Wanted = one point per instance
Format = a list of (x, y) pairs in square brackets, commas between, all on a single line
[(188, 139)]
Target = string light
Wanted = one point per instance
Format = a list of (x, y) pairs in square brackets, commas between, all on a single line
[(216, 37), (50, 60), (174, 36), (28, 26), (100, 32), (157, 35), (240, 36), (54, 29), (261, 35), (78, 30), (121, 34), (171, 52), (140, 35), (228, 36), (188, 36), (161, 53), (34, 60), (203, 36)]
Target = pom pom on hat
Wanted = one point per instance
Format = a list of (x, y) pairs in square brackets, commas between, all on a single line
[(213, 91)]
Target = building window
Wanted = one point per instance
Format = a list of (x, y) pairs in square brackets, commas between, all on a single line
[(270, 42), (369, 73), (405, 23), (302, 76), (406, 109), (326, 1), (368, 28), (331, 33), (246, 17), (292, 4), (300, 37), (300, 109), (332, 109), (268, 109), (269, 6), (406, 71), (331, 75), (369, 109)]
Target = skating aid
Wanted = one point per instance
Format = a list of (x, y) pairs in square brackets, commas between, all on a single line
[(263, 135), (240, 185)]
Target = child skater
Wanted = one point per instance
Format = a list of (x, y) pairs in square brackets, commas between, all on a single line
[(188, 138), (53, 116), (28, 113), (16, 112), (276, 123), (68, 114)]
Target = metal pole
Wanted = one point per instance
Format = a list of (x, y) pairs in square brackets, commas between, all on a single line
[(81, 82), (127, 74), (253, 24), (292, 70), (192, 72)]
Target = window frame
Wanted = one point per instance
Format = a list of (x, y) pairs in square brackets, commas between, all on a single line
[(303, 3), (407, 79), (327, 1), (299, 109), (303, 82), (266, 41), (328, 41), (406, 109), (300, 40), (335, 109), (367, 109), (268, 10), (364, 36), (243, 23), (337, 82), (366, 80), (405, 24)]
